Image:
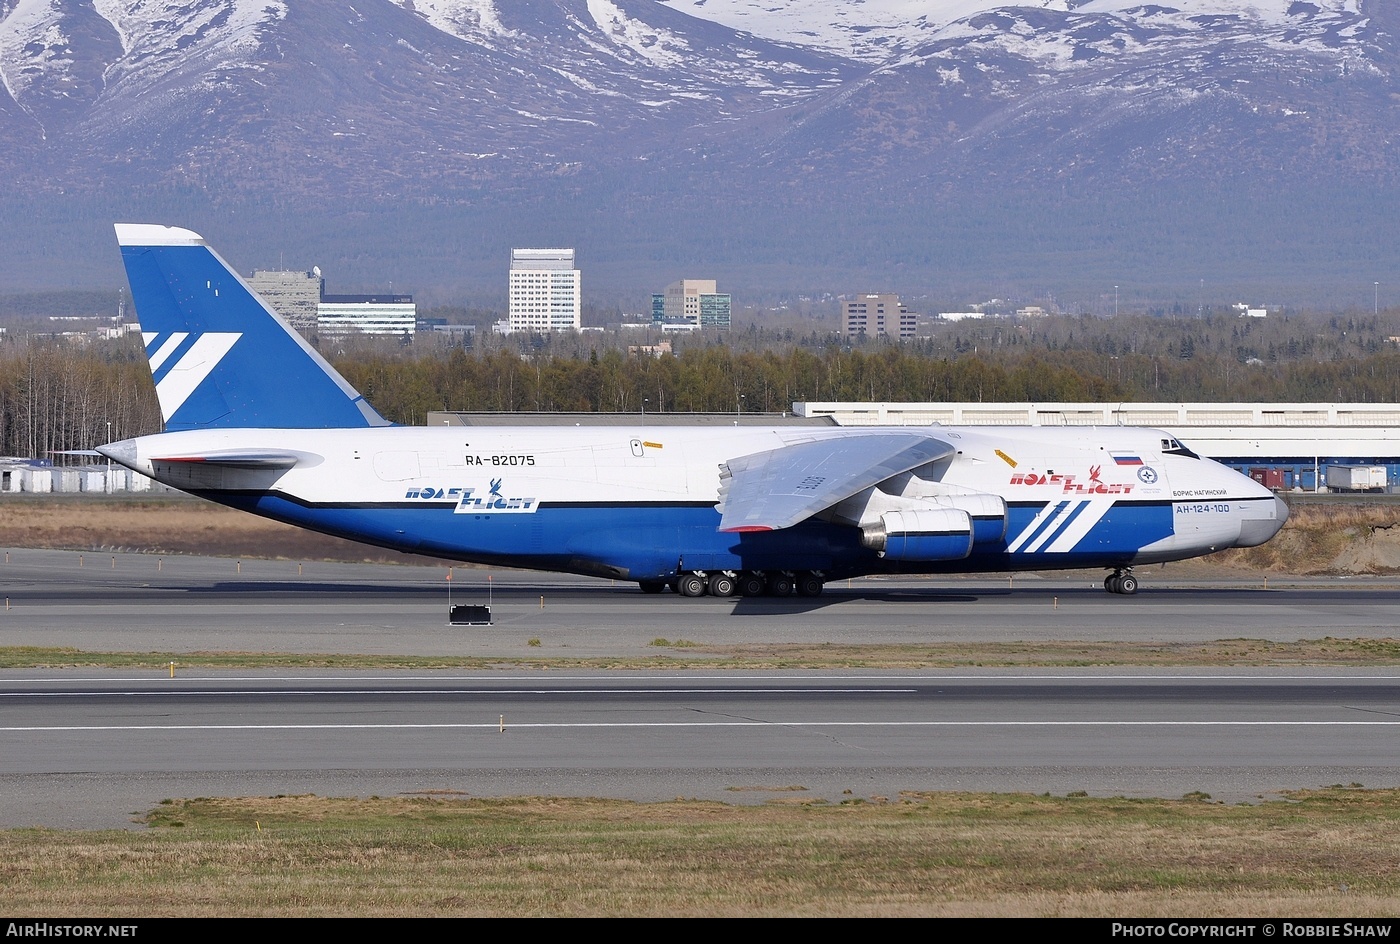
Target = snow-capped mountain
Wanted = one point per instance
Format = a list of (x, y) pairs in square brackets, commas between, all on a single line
[(874, 30), (409, 90), (1107, 90), (774, 111)]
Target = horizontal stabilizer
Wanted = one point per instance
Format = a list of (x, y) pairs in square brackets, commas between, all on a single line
[(238, 460), (777, 489), (125, 452)]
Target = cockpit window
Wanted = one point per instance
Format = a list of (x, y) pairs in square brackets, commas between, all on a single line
[(1171, 447)]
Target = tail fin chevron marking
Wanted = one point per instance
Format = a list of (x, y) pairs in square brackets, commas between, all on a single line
[(165, 350), (174, 387)]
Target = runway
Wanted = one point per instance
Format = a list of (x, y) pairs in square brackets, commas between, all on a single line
[(89, 749), (141, 603)]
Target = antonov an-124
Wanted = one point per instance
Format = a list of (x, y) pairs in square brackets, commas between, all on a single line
[(257, 420)]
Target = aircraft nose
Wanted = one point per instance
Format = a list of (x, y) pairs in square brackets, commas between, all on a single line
[(1270, 520)]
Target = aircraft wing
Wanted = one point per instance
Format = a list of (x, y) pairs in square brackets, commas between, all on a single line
[(770, 490)]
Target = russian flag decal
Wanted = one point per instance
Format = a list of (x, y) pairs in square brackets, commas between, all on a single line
[(1126, 459)]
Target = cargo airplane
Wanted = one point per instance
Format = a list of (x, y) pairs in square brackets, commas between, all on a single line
[(257, 420)]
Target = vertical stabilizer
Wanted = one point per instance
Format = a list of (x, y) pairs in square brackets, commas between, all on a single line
[(219, 356)]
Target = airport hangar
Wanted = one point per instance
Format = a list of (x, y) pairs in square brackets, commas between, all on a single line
[(1285, 446)]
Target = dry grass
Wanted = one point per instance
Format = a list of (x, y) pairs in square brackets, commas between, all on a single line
[(1319, 854), (1317, 536), (1219, 653), (168, 526), (684, 654)]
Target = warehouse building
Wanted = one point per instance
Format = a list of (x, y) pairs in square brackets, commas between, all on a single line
[(1286, 446)]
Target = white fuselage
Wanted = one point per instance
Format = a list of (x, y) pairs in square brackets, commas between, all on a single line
[(598, 499)]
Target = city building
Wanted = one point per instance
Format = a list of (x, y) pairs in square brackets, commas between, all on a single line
[(293, 295), (875, 315), (660, 349), (301, 299), (340, 315), (463, 334), (714, 310), (693, 302), (545, 291)]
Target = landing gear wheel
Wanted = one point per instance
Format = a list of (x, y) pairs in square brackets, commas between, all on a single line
[(652, 586), (1121, 582), (722, 585), (751, 585), (691, 585), (809, 585), (780, 585)]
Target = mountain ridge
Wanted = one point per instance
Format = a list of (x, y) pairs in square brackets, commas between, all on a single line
[(981, 144)]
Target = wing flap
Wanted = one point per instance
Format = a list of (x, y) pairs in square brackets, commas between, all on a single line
[(777, 489)]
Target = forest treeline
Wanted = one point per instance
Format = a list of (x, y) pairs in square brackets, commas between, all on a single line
[(60, 393), (57, 395), (722, 380)]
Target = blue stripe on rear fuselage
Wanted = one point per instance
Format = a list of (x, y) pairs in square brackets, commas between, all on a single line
[(657, 540)]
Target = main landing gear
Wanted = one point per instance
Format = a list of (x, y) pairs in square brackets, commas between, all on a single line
[(1121, 581), (747, 583)]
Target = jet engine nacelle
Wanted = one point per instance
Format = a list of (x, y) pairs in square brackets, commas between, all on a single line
[(988, 513), (932, 534)]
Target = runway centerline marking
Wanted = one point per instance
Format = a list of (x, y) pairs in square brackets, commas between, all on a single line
[(541, 725)]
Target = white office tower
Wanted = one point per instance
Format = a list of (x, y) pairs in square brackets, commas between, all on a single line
[(544, 290)]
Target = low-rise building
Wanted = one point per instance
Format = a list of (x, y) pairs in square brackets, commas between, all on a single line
[(340, 315), (874, 315), (694, 302)]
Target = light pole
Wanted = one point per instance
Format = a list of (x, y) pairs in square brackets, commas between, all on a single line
[(645, 401), (738, 403), (1115, 301), (1376, 300), (108, 480)]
